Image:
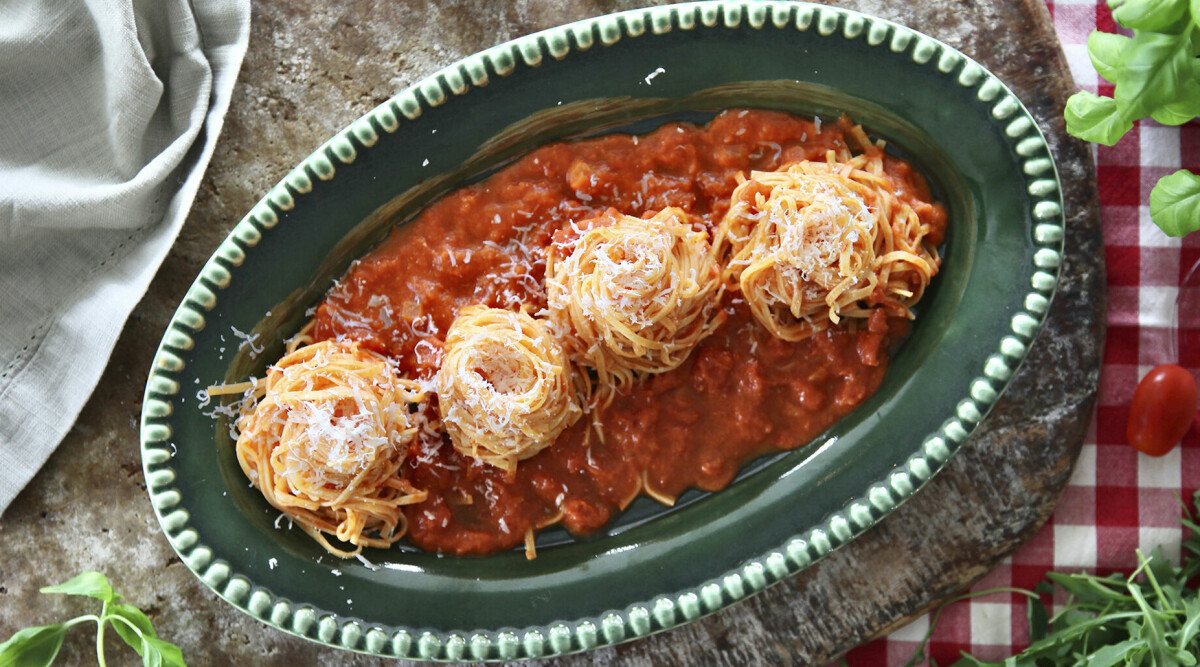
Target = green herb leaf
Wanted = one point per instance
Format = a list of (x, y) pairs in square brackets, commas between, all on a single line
[(33, 646), (137, 619), (1175, 203), (1150, 617), (1191, 626), (1152, 631), (167, 653), (1096, 119), (1195, 12), (40, 645), (1157, 15), (1039, 620), (1176, 113), (1104, 50), (1152, 66), (91, 584), (1186, 105), (1106, 656), (1088, 589)]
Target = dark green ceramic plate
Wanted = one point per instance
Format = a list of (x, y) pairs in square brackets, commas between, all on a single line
[(654, 568)]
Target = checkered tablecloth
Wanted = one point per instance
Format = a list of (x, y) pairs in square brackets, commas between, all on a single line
[(1117, 500)]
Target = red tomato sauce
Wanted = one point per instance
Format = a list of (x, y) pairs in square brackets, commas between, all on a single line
[(740, 394)]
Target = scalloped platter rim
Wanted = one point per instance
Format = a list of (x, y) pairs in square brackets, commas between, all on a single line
[(1019, 215)]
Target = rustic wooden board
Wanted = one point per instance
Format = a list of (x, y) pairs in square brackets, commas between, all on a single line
[(308, 73)]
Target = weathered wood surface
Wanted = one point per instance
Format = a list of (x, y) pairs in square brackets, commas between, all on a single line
[(314, 67)]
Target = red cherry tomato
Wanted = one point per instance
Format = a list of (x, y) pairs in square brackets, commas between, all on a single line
[(1163, 408)]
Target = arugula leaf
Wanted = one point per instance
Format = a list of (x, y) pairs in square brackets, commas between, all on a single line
[(1152, 66), (1151, 631), (91, 584), (1150, 617), (1106, 656), (1104, 49), (1188, 632), (33, 646), (1175, 203), (1096, 119), (1039, 620), (1087, 589), (1156, 15)]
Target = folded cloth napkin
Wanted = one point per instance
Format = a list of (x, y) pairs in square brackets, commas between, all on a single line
[(109, 111)]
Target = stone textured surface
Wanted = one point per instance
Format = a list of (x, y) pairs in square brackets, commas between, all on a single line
[(309, 72)]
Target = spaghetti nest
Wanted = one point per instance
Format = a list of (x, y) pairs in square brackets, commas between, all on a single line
[(505, 387), (325, 440), (634, 295), (818, 241)]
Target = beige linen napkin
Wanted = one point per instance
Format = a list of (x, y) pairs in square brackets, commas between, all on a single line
[(109, 111)]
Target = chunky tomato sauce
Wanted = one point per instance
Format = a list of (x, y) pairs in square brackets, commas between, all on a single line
[(740, 394)]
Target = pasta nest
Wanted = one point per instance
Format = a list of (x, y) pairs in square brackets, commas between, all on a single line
[(818, 241), (505, 387), (325, 439), (635, 295)]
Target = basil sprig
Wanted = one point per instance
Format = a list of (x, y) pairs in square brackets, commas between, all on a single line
[(40, 645), (1156, 75)]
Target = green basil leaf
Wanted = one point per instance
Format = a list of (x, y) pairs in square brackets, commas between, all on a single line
[(1175, 203), (139, 621), (150, 656), (1195, 12), (1186, 105), (168, 653), (1104, 49), (1096, 119), (32, 646), (1156, 15), (91, 584), (1175, 113), (1152, 66)]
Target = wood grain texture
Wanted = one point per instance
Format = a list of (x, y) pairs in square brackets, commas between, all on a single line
[(308, 73)]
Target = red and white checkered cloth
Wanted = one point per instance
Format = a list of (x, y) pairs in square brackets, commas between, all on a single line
[(1117, 499)]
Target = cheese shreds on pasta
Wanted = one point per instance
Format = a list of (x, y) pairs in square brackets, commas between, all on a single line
[(560, 306), (505, 387), (819, 241), (324, 441), (634, 295)]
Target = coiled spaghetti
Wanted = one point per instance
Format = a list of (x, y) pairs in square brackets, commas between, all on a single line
[(819, 241), (325, 440), (634, 295), (505, 387)]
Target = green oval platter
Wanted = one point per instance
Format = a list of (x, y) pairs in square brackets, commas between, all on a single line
[(654, 568)]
